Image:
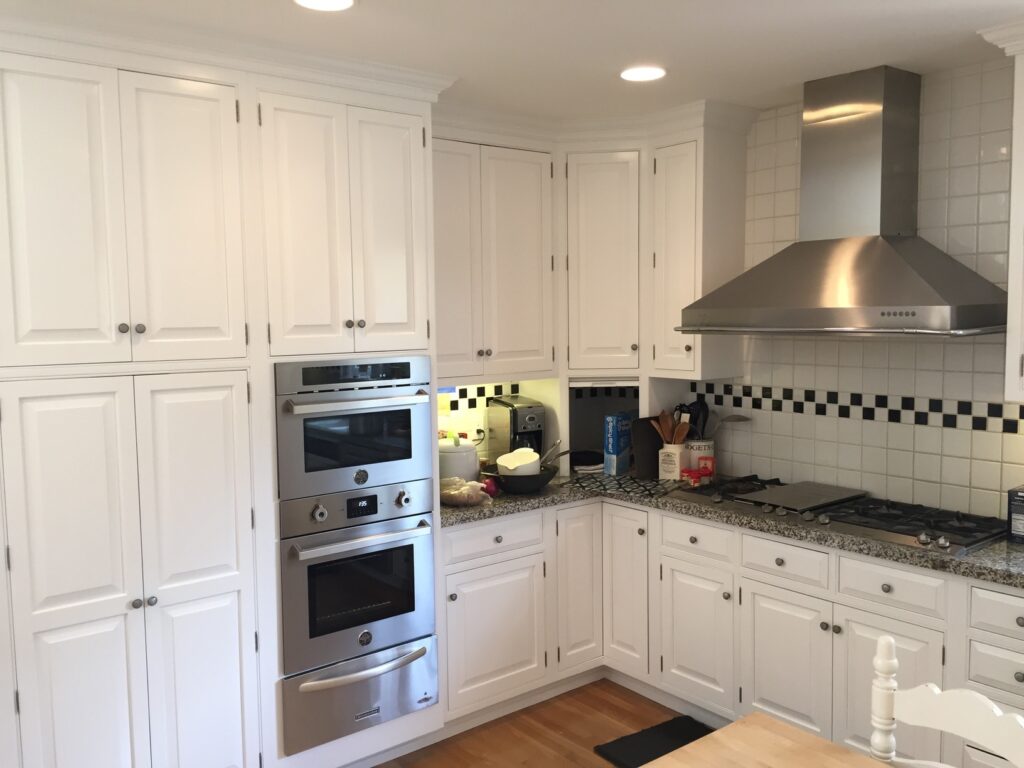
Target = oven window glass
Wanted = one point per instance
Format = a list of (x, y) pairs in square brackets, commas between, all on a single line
[(357, 590), (357, 439)]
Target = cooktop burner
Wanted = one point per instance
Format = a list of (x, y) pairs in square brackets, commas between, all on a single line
[(728, 488)]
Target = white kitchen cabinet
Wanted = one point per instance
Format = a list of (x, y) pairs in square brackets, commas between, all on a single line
[(63, 269), (625, 588), (580, 603), (183, 218), (604, 232), (389, 229), (697, 634), (919, 652), (128, 516), (304, 152), (786, 656), (496, 630)]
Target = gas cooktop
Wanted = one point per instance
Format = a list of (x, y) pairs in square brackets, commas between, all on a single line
[(848, 511)]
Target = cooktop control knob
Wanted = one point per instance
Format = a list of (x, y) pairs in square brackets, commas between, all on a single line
[(403, 499), (767, 509), (781, 511), (942, 542), (319, 513), (924, 538), (824, 519), (807, 515), (717, 498)]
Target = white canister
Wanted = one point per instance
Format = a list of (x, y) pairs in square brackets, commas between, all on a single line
[(694, 449), (458, 460), (670, 461)]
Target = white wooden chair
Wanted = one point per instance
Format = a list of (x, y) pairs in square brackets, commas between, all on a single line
[(963, 713)]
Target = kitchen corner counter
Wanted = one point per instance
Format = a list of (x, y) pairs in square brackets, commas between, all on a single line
[(998, 563)]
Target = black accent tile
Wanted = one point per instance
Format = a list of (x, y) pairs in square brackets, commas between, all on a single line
[(776, 405), (894, 416), (809, 395), (868, 414), (856, 398), (748, 391), (727, 389), (497, 390), (963, 407), (798, 406), (921, 417), (766, 393), (515, 389), (454, 405), (471, 403), (819, 409), (1021, 414), (881, 401), (949, 420), (1010, 425), (578, 394), (756, 403), (709, 389), (737, 402), (832, 397), (787, 394), (934, 406), (719, 400), (480, 391), (693, 386), (979, 423), (995, 410), (844, 411), (701, 396), (907, 403), (463, 393)]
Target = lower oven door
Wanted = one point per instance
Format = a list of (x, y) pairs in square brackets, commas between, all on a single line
[(352, 591), (344, 698)]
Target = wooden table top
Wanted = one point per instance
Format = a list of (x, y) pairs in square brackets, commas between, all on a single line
[(760, 741)]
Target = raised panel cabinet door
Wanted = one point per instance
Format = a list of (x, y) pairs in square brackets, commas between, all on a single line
[(63, 269), (518, 263), (304, 145), (697, 634), (389, 229), (457, 259), (604, 252), (674, 262), (496, 630), (786, 656), (625, 589), (71, 498), (183, 218), (919, 652), (580, 603), (194, 491)]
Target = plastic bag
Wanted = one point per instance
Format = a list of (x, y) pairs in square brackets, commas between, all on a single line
[(456, 492)]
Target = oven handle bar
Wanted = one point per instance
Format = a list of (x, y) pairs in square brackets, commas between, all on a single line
[(312, 686), (355, 405), (312, 553)]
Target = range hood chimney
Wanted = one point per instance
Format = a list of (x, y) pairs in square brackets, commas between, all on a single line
[(859, 267)]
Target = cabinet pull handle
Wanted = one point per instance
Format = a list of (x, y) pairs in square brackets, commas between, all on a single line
[(1020, 621), (140, 328), (498, 539), (489, 352), (452, 597), (123, 328), (136, 603), (688, 348), (727, 595), (887, 588), (641, 531), (693, 539), (634, 347), (779, 562), (479, 353), (361, 323), (350, 323), (151, 601), (837, 629), (824, 626), (1019, 677)]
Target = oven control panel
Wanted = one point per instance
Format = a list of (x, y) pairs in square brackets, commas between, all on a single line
[(367, 505)]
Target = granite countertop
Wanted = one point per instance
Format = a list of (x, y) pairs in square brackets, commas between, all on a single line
[(999, 563)]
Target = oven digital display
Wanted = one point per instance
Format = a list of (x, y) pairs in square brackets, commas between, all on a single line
[(361, 506), (327, 375)]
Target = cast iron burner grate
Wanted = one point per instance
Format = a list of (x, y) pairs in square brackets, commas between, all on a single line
[(625, 484)]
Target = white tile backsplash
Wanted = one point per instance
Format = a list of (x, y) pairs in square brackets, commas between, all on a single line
[(963, 208)]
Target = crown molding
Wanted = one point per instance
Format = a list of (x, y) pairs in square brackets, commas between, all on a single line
[(51, 40), (1009, 36)]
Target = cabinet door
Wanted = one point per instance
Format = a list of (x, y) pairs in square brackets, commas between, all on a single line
[(786, 656), (183, 212), (457, 260), (517, 261), (675, 248), (76, 566), (63, 273), (495, 630), (580, 621), (697, 634), (919, 652), (389, 232), (304, 147), (193, 448), (604, 232), (625, 588)]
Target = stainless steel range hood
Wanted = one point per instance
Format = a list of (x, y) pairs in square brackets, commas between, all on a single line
[(859, 267)]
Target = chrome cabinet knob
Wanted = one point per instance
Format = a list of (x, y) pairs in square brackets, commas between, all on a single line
[(479, 353), (498, 539), (1019, 677), (779, 562), (688, 348), (136, 603), (319, 513), (151, 600), (361, 323), (452, 597), (1020, 621), (350, 323), (693, 539), (123, 328), (727, 595), (887, 588), (489, 352), (836, 629), (825, 627), (641, 531), (634, 347), (140, 328)]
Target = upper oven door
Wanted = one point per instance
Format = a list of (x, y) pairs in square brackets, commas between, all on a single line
[(340, 441)]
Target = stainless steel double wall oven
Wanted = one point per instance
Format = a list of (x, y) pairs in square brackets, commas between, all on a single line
[(354, 447)]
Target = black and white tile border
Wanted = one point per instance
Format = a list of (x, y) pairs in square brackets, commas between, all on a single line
[(932, 412), (477, 396)]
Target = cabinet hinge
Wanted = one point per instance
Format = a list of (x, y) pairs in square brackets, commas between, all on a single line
[(662, 663), (544, 568), (654, 351), (238, 112), (424, 136), (661, 572), (261, 760), (567, 262), (428, 328), (545, 658), (567, 170), (552, 353), (252, 516), (741, 595), (257, 637), (259, 114), (654, 260), (741, 694), (943, 655), (248, 392), (558, 654), (552, 169), (268, 333), (655, 166), (1021, 367), (556, 527), (247, 334), (17, 703), (552, 262), (7, 556)]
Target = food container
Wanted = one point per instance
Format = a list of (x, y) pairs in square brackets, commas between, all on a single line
[(670, 461), (458, 460), (694, 450)]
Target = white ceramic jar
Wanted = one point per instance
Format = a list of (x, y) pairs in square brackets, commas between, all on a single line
[(458, 460)]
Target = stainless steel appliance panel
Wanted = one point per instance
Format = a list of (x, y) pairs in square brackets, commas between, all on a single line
[(341, 510), (343, 698)]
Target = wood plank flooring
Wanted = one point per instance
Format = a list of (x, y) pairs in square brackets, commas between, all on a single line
[(560, 731)]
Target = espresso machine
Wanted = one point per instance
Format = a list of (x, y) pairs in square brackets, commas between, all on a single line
[(515, 421)]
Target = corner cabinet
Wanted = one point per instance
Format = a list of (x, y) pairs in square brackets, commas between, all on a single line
[(494, 263), (578, 532), (344, 191), (625, 589)]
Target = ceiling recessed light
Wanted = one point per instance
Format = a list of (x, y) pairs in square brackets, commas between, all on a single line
[(326, 5), (642, 74)]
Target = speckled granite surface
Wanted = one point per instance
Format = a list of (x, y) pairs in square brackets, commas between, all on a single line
[(1000, 563)]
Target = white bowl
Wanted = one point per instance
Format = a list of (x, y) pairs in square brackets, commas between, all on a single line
[(522, 461)]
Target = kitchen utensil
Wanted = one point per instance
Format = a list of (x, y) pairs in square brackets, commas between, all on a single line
[(698, 411), (458, 459), (522, 461), (550, 451), (679, 434), (520, 484)]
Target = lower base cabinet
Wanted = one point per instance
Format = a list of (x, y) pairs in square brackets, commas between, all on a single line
[(496, 630), (580, 605), (625, 589)]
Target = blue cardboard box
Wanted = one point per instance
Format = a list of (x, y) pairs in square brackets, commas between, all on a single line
[(618, 442)]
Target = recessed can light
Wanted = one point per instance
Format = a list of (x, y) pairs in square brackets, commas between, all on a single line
[(326, 5), (642, 74)]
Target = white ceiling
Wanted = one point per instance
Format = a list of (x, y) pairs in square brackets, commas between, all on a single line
[(560, 59)]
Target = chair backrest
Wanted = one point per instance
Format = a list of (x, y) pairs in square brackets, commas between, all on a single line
[(963, 713)]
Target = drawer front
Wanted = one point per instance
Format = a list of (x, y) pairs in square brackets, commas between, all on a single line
[(697, 538), (499, 535), (996, 668), (996, 612), (792, 562), (883, 584)]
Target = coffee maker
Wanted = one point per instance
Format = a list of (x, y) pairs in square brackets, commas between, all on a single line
[(515, 421)]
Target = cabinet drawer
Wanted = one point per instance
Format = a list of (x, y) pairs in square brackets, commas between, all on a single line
[(996, 667), (874, 581), (490, 538), (997, 612), (688, 536), (788, 560)]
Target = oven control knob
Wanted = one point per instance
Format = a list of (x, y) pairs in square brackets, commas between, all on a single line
[(403, 499), (365, 638), (319, 513), (924, 538), (942, 542)]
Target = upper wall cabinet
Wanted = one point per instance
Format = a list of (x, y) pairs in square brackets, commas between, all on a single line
[(604, 231), (344, 191), (96, 269), (492, 229)]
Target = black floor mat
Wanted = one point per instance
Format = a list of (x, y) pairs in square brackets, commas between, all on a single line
[(651, 743)]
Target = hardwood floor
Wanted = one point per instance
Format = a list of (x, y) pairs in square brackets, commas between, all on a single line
[(561, 731)]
